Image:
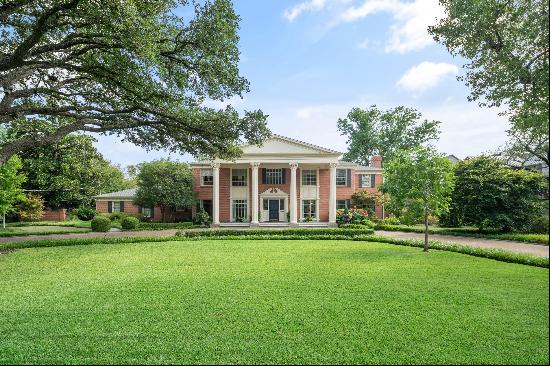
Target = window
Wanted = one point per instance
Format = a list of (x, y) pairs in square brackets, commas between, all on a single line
[(309, 208), (341, 177), (240, 211), (266, 204), (238, 177), (116, 206), (146, 211), (341, 204), (206, 205), (309, 177), (207, 177), (367, 180), (282, 204), (274, 176)]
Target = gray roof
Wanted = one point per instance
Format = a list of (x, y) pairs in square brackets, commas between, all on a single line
[(127, 193)]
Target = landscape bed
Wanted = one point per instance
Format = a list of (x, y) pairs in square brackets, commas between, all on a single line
[(258, 301)]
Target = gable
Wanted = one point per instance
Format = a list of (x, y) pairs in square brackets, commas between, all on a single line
[(278, 145)]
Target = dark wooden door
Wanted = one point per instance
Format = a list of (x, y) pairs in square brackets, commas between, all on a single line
[(273, 210)]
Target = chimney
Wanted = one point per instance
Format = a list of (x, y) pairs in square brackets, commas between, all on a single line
[(376, 161)]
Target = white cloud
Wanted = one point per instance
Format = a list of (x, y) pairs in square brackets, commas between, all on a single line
[(311, 5), (426, 75), (409, 30)]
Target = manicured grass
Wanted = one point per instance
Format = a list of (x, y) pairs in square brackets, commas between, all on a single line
[(241, 301), (40, 230), (470, 232)]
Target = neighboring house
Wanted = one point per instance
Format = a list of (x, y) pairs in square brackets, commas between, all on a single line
[(285, 181), (123, 201), (453, 159)]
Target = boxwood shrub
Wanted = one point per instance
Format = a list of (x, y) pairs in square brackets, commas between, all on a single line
[(129, 223), (101, 224), (306, 232)]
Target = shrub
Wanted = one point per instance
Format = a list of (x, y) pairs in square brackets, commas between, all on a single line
[(129, 223), (101, 224), (352, 216), (390, 220), (85, 213), (302, 232), (357, 226), (31, 208), (202, 218), (539, 225), (117, 216)]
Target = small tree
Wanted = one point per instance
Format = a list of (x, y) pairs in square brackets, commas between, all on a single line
[(369, 200), (419, 181), (10, 186), (164, 183), (31, 207)]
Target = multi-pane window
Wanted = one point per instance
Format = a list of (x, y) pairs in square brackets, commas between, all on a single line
[(274, 176), (341, 177), (207, 177), (365, 180), (309, 177), (146, 211), (309, 209), (116, 206), (238, 177), (341, 204), (240, 211)]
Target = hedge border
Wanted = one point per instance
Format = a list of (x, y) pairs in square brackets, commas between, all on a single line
[(495, 254), (519, 237)]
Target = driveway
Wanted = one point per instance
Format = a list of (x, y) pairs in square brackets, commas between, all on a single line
[(513, 246)]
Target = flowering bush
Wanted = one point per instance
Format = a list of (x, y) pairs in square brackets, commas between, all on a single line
[(352, 216)]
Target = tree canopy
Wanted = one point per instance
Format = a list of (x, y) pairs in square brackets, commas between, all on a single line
[(164, 183), (376, 132), (507, 43), (419, 181), (130, 68), (70, 172), (489, 194)]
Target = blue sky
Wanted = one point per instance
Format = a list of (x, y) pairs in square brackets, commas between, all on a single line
[(310, 61)]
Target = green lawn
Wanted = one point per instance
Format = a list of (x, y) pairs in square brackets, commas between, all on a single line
[(268, 302), (40, 230)]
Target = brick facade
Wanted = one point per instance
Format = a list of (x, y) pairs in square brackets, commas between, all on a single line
[(102, 206)]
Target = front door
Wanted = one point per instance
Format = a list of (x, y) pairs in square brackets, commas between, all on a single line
[(273, 210)]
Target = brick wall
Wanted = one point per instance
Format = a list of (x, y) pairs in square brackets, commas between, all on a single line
[(324, 192), (102, 206), (54, 215)]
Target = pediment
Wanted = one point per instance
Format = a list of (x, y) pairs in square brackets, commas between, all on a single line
[(278, 145), (273, 192)]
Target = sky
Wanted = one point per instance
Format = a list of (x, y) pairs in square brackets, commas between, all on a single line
[(309, 62)]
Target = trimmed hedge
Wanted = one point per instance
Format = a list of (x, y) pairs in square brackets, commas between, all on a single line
[(496, 254), (474, 233), (168, 225), (101, 224), (307, 232)]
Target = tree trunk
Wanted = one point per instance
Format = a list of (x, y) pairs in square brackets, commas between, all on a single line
[(4, 220), (426, 243), (162, 213)]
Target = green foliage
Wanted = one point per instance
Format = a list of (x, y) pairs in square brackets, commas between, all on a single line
[(375, 132), (369, 200), (85, 213), (70, 172), (289, 232), (539, 224), (390, 220), (202, 218), (101, 224), (164, 183), (133, 68), (10, 185), (353, 216), (117, 216), (507, 44), (489, 194), (129, 223), (368, 225), (31, 208)]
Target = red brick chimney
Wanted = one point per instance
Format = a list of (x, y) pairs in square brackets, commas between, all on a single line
[(376, 161)]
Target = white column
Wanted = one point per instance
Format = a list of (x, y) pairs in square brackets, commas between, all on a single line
[(332, 196), (216, 194), (293, 204), (255, 193)]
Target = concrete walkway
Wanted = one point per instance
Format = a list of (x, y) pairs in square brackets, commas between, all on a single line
[(513, 246), (539, 250)]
